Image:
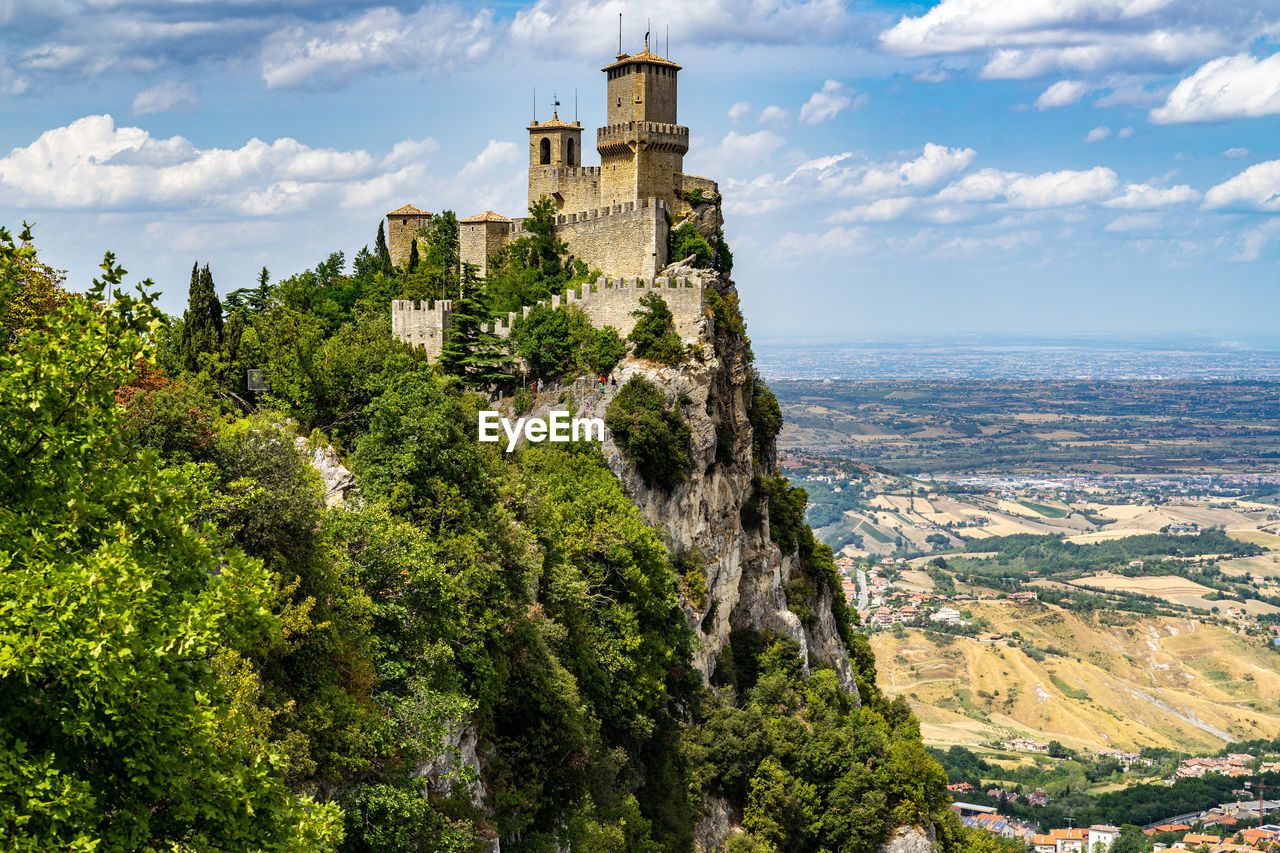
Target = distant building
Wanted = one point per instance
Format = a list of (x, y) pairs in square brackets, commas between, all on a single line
[(1104, 834)]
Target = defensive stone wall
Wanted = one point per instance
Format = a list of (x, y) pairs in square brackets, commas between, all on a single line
[(622, 239), (607, 301), (572, 187)]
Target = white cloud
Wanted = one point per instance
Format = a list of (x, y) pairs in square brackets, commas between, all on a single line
[(1148, 197), (438, 36), (1256, 239), (739, 110), (1135, 222), (1236, 153), (1097, 134), (884, 210), (936, 165), (91, 164), (582, 26), (166, 97), (1124, 133), (1061, 94), (985, 185), (1256, 188), (738, 149), (826, 103), (1229, 87), (774, 115), (932, 74), (837, 241), (1030, 38), (1060, 189)]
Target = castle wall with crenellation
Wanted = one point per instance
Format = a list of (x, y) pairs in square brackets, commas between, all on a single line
[(606, 301), (626, 239)]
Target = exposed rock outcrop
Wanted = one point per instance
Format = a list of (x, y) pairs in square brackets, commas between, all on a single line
[(339, 482), (910, 839), (747, 574)]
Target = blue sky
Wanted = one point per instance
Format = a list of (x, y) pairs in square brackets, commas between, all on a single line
[(890, 169)]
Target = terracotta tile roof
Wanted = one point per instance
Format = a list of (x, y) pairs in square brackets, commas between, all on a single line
[(556, 122), (643, 56), (487, 216), (408, 210)]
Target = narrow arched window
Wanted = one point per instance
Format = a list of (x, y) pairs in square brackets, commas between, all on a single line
[(569, 154), (544, 151)]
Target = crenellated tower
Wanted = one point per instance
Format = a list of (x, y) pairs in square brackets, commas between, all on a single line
[(641, 146)]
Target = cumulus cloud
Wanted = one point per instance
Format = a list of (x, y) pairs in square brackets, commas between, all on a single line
[(1049, 189), (932, 74), (774, 115), (1256, 188), (166, 97), (1061, 94), (739, 149), (1124, 133), (582, 26), (1097, 134), (1256, 239), (436, 37), (91, 164), (1236, 153), (1239, 86), (739, 110), (826, 103), (837, 241), (1135, 222), (1148, 197), (1035, 37), (884, 210)]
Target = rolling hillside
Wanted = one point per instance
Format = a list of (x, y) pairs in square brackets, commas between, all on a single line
[(1118, 680)]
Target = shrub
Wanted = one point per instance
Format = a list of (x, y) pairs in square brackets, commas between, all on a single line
[(652, 434), (560, 342), (696, 196), (690, 566), (654, 335), (765, 416), (726, 312), (686, 242)]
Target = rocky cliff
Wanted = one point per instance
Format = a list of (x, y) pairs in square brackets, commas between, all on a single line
[(747, 575)]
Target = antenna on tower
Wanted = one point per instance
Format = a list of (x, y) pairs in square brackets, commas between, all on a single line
[(648, 29), (668, 53), (535, 104), (619, 34), (575, 104)]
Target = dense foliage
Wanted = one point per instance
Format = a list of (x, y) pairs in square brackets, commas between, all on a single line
[(654, 335), (651, 431), (562, 342), (197, 653)]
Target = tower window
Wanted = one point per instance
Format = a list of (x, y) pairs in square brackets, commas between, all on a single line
[(569, 154), (544, 151)]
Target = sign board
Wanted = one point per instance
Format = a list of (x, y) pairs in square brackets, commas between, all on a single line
[(254, 380)]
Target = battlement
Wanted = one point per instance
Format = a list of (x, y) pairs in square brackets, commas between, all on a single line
[(654, 134), (589, 172), (626, 208), (607, 301)]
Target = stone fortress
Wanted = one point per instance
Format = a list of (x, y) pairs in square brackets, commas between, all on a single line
[(614, 217)]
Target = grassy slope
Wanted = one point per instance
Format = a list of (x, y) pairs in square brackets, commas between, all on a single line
[(1147, 683)]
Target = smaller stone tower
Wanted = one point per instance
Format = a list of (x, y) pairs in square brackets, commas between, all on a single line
[(555, 165), (481, 236), (402, 224)]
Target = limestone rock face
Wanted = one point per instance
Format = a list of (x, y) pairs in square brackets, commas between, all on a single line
[(910, 839), (716, 825), (747, 575), (458, 764), (339, 482)]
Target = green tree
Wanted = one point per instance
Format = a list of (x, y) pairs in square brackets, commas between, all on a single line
[(561, 341), (686, 243), (116, 732), (477, 357), (412, 265), (650, 432), (380, 247), (202, 322), (654, 337), (37, 296)]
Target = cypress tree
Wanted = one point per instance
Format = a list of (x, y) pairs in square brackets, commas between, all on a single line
[(477, 357), (380, 248), (202, 322), (413, 258)]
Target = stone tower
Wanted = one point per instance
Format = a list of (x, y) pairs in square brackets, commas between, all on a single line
[(641, 147), (555, 165)]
